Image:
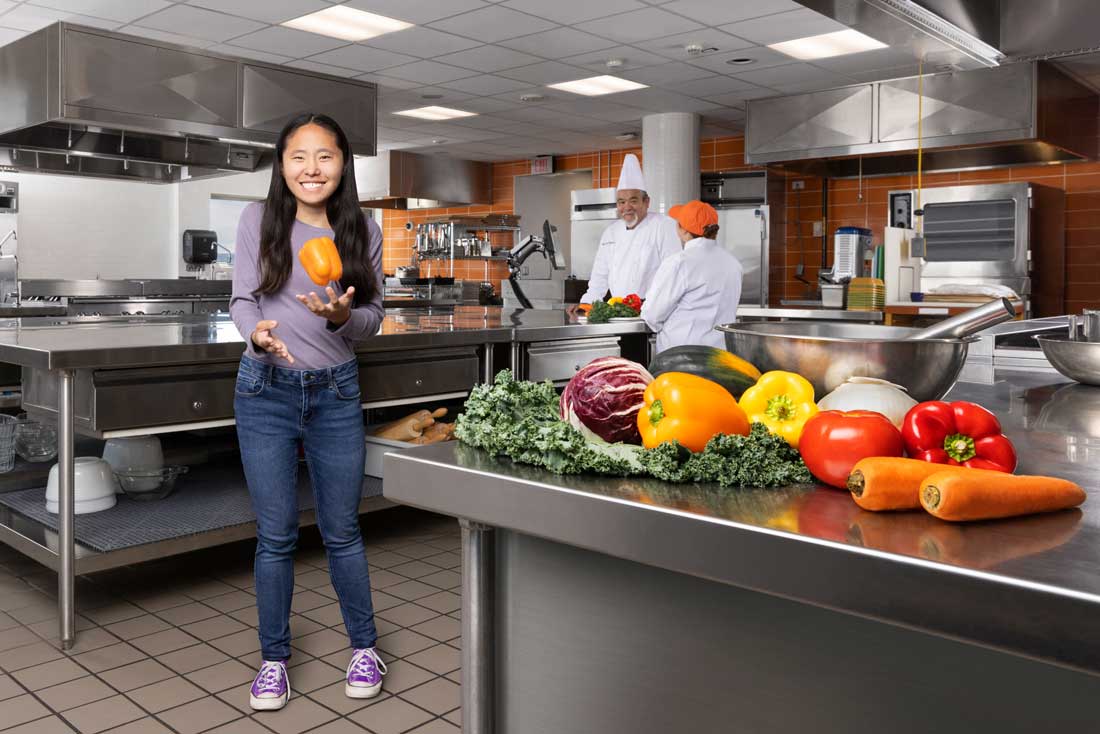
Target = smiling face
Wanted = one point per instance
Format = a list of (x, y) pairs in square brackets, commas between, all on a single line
[(312, 165), (632, 205)]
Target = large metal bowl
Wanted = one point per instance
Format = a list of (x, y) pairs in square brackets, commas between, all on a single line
[(1077, 360), (828, 353)]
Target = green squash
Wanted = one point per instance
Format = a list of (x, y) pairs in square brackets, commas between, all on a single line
[(717, 365)]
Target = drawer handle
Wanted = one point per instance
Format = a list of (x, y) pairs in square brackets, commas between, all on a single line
[(576, 368), (198, 405), (419, 383)]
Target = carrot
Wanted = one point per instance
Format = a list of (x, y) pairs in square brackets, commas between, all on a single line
[(979, 494), (890, 483)]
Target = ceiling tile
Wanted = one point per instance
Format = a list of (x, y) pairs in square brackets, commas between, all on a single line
[(673, 46), (428, 72), (6, 5), (631, 57), (269, 11), (600, 110), (362, 58), (763, 57), (550, 97), (485, 84), (200, 23), (322, 68), (793, 74), (488, 58), (783, 27), (155, 35), (7, 35), (124, 11), (717, 12), (641, 25), (388, 82), (665, 74), (662, 100), (279, 40), (493, 23), (30, 18), (875, 75), (425, 43), (485, 105), (717, 84), (879, 58), (249, 53), (484, 122), (416, 11), (574, 11), (558, 43), (738, 98), (545, 72)]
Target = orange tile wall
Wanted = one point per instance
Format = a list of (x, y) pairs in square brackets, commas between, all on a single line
[(715, 154)]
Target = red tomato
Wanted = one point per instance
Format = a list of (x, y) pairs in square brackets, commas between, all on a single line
[(833, 441)]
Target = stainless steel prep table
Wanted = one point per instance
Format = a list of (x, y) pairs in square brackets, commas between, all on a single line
[(60, 355), (655, 607)]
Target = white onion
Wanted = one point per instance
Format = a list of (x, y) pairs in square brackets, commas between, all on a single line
[(869, 393)]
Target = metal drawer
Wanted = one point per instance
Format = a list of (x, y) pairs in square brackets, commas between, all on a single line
[(560, 360), (387, 376)]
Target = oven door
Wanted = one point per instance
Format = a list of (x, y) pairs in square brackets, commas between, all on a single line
[(976, 232)]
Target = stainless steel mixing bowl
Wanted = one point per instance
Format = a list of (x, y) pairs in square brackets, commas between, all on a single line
[(828, 353), (1077, 360)]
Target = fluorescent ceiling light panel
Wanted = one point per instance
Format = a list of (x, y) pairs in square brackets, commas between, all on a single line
[(346, 23), (827, 44), (597, 85), (436, 113)]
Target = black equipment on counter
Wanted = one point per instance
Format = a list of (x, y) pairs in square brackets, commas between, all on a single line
[(200, 246)]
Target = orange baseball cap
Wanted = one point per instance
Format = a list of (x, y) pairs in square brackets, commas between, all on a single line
[(694, 216)]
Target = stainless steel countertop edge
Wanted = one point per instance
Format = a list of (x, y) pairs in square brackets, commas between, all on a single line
[(967, 605)]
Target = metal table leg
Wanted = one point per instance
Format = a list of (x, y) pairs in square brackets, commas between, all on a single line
[(66, 577), (487, 368), (517, 361), (477, 628)]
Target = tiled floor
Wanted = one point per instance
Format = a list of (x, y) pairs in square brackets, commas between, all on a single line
[(170, 646)]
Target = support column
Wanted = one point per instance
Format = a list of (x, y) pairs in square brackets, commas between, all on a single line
[(66, 494), (478, 684)]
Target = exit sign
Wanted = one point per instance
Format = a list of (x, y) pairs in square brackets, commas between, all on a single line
[(542, 164)]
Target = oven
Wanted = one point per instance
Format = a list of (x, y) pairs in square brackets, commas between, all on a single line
[(1010, 234)]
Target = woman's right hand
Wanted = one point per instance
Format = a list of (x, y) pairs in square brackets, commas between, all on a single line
[(264, 338)]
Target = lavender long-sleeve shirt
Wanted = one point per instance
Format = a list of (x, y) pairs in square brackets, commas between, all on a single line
[(312, 340)]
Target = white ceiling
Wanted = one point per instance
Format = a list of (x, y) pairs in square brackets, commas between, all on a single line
[(482, 56)]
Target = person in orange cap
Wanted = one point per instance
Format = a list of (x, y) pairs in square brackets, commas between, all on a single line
[(696, 289)]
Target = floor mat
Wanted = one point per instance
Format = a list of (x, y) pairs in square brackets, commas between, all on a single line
[(206, 498)]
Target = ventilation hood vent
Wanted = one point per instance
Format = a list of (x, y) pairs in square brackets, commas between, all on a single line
[(398, 179), (1017, 114), (88, 102)]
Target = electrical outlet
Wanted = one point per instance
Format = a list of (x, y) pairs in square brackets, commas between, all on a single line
[(798, 185), (819, 228)]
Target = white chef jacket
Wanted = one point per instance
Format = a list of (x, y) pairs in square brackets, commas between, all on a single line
[(692, 292), (628, 259)]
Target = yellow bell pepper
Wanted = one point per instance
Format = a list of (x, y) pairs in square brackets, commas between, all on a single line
[(614, 300), (689, 409), (783, 402), (321, 260)]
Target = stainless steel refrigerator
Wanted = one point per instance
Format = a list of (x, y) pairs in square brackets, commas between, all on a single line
[(592, 211), (744, 232)]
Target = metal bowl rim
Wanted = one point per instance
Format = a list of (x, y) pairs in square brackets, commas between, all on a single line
[(746, 329), (1061, 339)]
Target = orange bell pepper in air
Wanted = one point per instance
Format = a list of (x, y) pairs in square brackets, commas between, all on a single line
[(689, 409), (321, 260)]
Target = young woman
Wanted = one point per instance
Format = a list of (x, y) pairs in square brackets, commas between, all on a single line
[(696, 289), (298, 383)]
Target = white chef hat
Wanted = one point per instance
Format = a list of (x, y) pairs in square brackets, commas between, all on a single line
[(631, 175)]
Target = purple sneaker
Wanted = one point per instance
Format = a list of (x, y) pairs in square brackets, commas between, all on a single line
[(271, 689), (365, 673)]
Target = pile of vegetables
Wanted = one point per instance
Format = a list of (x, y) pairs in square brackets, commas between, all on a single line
[(522, 421), (602, 311)]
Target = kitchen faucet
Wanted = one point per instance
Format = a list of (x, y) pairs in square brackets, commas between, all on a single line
[(15, 257)]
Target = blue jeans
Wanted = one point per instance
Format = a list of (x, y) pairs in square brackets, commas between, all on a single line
[(276, 408)]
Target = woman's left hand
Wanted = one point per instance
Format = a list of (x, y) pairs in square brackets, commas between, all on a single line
[(337, 310)]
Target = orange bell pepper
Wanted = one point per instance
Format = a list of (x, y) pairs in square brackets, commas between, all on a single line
[(689, 409), (321, 260)]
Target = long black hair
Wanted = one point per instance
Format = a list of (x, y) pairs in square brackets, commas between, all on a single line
[(344, 214)]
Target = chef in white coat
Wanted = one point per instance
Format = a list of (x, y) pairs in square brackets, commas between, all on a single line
[(697, 288), (632, 248)]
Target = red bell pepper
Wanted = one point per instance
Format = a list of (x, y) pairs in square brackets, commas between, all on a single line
[(634, 301), (957, 433)]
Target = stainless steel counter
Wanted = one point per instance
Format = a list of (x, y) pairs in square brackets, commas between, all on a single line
[(92, 342), (1027, 586)]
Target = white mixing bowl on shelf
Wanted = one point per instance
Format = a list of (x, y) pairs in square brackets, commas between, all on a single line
[(94, 482)]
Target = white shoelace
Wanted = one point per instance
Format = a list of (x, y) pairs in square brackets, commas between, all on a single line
[(360, 662), (270, 674)]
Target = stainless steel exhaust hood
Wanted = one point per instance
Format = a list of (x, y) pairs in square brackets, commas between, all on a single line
[(84, 101), (398, 179), (1016, 114)]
